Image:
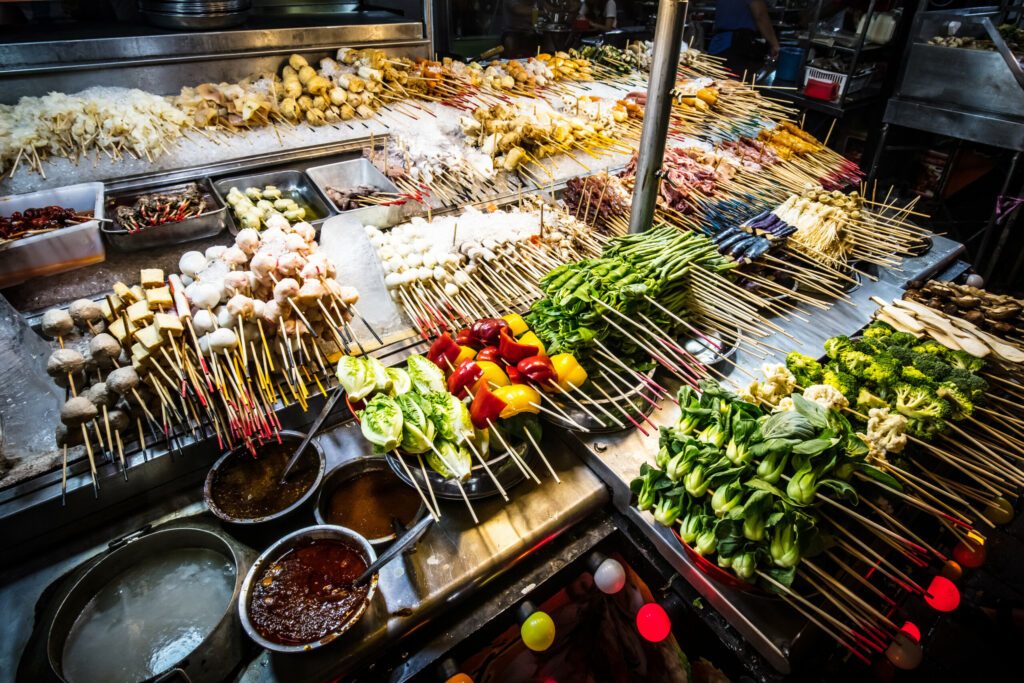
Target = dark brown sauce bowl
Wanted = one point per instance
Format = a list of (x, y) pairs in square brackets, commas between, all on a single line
[(349, 471), (313, 450), (279, 550)]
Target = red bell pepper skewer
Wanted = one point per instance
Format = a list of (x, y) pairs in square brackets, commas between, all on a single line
[(486, 408), (512, 351), (466, 375), (443, 352)]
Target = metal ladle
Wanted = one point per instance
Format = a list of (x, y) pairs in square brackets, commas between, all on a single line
[(324, 412), (401, 544)]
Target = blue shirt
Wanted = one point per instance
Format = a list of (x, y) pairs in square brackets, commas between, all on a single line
[(731, 15)]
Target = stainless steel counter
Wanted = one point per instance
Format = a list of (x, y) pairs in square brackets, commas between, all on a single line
[(773, 629), (452, 562)]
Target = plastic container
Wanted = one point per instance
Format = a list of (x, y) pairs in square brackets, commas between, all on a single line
[(821, 90), (859, 82), (787, 67), (60, 250)]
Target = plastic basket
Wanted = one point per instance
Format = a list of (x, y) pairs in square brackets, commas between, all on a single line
[(859, 82)]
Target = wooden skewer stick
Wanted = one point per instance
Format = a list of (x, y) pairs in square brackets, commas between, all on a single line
[(430, 487), (483, 461), (426, 503), (809, 609), (458, 483), (523, 466), (543, 457)]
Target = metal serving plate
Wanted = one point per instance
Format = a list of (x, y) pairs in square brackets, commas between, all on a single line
[(638, 402), (207, 224), (355, 173), (292, 183), (479, 485)]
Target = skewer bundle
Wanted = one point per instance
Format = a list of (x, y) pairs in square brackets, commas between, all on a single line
[(110, 121), (472, 265), (828, 524), (514, 138), (646, 291), (211, 352)]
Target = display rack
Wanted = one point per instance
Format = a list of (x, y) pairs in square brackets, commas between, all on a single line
[(989, 112)]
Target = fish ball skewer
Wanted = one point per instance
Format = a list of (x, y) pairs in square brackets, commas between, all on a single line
[(85, 312), (192, 263), (65, 362), (57, 323), (204, 321)]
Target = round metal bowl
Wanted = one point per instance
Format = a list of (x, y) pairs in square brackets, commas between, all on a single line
[(479, 485), (215, 656), (713, 347), (278, 550), (350, 470), (922, 247), (297, 437), (638, 401)]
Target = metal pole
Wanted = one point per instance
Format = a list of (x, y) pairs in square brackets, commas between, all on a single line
[(668, 33)]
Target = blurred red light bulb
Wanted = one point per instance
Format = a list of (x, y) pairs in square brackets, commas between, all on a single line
[(653, 623), (943, 595)]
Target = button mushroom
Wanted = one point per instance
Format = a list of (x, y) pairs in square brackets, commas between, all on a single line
[(84, 312), (104, 349), (123, 380)]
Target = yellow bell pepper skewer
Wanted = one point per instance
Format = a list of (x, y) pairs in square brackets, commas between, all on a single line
[(570, 373), (518, 398)]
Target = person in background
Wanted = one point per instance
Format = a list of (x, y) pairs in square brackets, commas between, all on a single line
[(590, 19), (610, 16), (737, 26), (518, 34)]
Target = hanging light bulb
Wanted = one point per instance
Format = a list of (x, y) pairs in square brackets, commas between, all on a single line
[(536, 628), (904, 653), (653, 623), (943, 595), (970, 552), (911, 629), (610, 576)]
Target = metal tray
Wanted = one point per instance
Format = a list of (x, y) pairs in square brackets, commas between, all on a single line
[(294, 183), (354, 173), (206, 224)]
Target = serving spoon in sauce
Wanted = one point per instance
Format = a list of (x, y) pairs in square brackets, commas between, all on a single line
[(324, 412), (401, 544)]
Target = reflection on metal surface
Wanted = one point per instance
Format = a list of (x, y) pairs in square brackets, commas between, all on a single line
[(66, 54)]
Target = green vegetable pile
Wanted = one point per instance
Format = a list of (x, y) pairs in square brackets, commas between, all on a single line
[(654, 264), (411, 410), (741, 483), (918, 378)]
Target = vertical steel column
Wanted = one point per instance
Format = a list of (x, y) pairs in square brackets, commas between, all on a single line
[(668, 33)]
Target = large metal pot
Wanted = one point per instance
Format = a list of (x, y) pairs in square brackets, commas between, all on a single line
[(222, 648)]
